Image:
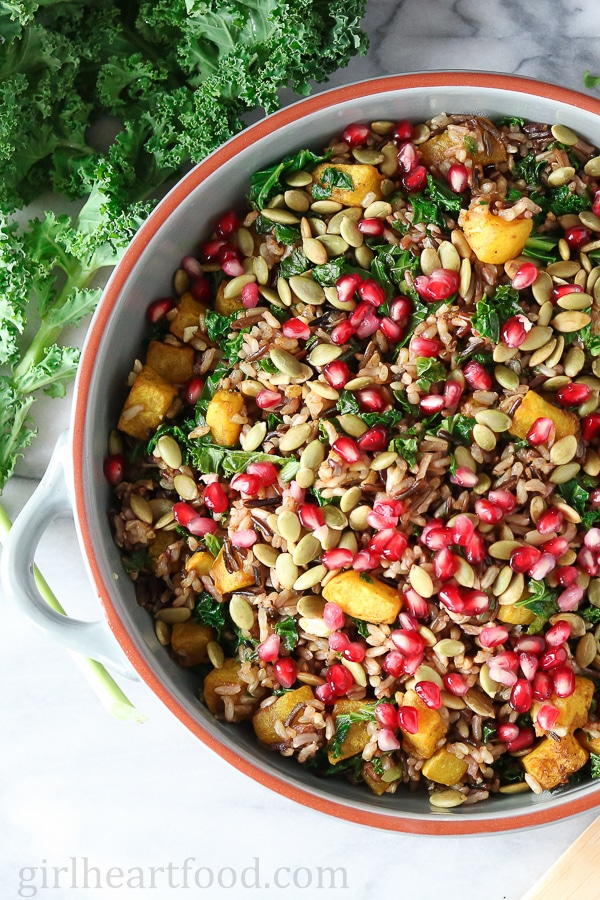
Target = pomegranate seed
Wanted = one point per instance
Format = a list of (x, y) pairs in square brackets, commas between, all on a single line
[(457, 177), (296, 492), (408, 719), (543, 686), (355, 652), (476, 376), (451, 596), (310, 516), (514, 331), (266, 471), (577, 236), (571, 597), (545, 564), (356, 135), (488, 512), (250, 296), (395, 548), (228, 224), (475, 549), (391, 330), (524, 739), (371, 227), (506, 659), (158, 309), (590, 426), (364, 561), (415, 180), (596, 204), (523, 558), (445, 564), (462, 530), (521, 696), (360, 311), (268, 399), (421, 285), (201, 290), (437, 538), (456, 683), (268, 651), (401, 309), (114, 468), (324, 693), (403, 131), (386, 715), (553, 658), (550, 521), (542, 431), (215, 498), (566, 575), (347, 449), (368, 326), (416, 604), (557, 546), (564, 681), (493, 636), (371, 400), (229, 259), (524, 277), (504, 499), (408, 621), (422, 346), (429, 693), (374, 440), (191, 266), (286, 671), (588, 561), (342, 332), (507, 731), (337, 374), (443, 283), (546, 716), (183, 513), (393, 663), (529, 665), (573, 394), (338, 558), (432, 403), (296, 328), (502, 676), (346, 286), (594, 498), (464, 477), (475, 603), (564, 289), (531, 643), (333, 616), (592, 539), (245, 538), (209, 252), (452, 393), (339, 679), (338, 641), (193, 390), (558, 634), (371, 292), (407, 156), (200, 525), (246, 483), (408, 642), (387, 740)]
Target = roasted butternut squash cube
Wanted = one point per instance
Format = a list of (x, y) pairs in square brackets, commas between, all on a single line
[(574, 710), (228, 674), (201, 562), (221, 408), (364, 597), (535, 407), (366, 179), (589, 737), (374, 781), (146, 405), (358, 733), (188, 314), (189, 642), (444, 767), (265, 718), (515, 615), (492, 238), (432, 728), (229, 582), (174, 364), (552, 762), (225, 306), (444, 148)]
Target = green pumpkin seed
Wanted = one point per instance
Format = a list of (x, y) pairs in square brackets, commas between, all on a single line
[(350, 233), (364, 256), (575, 301), (307, 290), (450, 648), (383, 127), (558, 381), (420, 580), (326, 207), (503, 549), (352, 425), (295, 437), (502, 354), (464, 574), (311, 606), (563, 450), (560, 176), (141, 508), (348, 541), (215, 654), (464, 458), (234, 287), (563, 269), (186, 487), (310, 578), (298, 201), (429, 261), (279, 216), (315, 251), (358, 518), (427, 673), (284, 291), (479, 703), (379, 209), (357, 671), (484, 437), (383, 461), (254, 437), (562, 474), (163, 632), (305, 478), (173, 615), (285, 362), (165, 519), (514, 591), (314, 626), (446, 799), (334, 517), (564, 135), (506, 378), (242, 614), (536, 338), (324, 354), (334, 244), (350, 499), (181, 281), (324, 390), (574, 362), (487, 682), (170, 451), (466, 276), (494, 419), (449, 257), (329, 537), (288, 525), (266, 554), (357, 384), (367, 156), (313, 455), (503, 579), (592, 166), (542, 288), (555, 358), (286, 571)]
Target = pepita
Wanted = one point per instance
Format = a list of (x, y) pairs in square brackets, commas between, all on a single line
[(350, 499), (326, 207), (141, 508), (350, 233), (429, 261), (383, 461), (323, 354), (334, 517), (358, 518), (379, 209), (449, 257), (542, 288), (590, 220), (563, 450), (357, 384), (215, 654), (295, 437), (487, 682), (575, 301), (186, 487), (313, 455), (298, 201), (574, 362), (301, 178), (513, 591), (288, 525), (311, 606), (352, 425), (562, 474), (310, 578), (170, 451), (284, 291), (307, 290), (564, 135), (496, 420), (592, 166), (586, 650), (465, 574), (466, 275), (305, 478), (173, 615), (446, 799), (563, 269), (163, 632), (420, 580), (334, 244), (536, 338), (561, 175), (234, 287), (315, 251), (448, 647), (286, 571), (266, 554), (484, 437), (280, 216), (254, 437), (314, 626), (285, 362)]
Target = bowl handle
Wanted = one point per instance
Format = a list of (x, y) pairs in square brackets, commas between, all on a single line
[(50, 499)]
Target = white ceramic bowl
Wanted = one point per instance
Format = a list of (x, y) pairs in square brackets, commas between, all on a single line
[(114, 340)]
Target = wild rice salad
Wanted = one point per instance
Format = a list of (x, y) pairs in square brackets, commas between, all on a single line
[(357, 475)]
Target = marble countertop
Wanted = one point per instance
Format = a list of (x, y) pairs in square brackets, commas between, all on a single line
[(83, 792)]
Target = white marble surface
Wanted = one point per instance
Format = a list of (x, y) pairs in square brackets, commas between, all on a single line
[(76, 783)]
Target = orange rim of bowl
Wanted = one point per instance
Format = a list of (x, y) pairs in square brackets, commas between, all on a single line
[(433, 824)]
